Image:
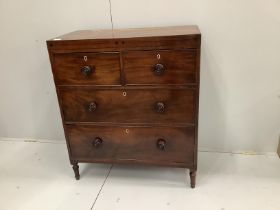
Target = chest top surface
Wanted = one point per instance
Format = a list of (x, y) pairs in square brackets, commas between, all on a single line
[(173, 37), (130, 33)]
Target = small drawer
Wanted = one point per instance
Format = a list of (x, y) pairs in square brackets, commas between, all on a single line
[(148, 144), (170, 67), (87, 69), (162, 106)]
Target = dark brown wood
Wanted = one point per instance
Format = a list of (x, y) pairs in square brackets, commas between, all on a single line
[(178, 37), (128, 106), (159, 69), (130, 33), (97, 142), (192, 177), (160, 107), (172, 67), (87, 69), (197, 106), (161, 144), (76, 170), (126, 142), (129, 95)]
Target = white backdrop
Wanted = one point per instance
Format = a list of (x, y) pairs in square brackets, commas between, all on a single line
[(240, 68)]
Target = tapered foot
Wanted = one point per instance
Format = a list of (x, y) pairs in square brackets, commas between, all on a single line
[(76, 170), (192, 176)]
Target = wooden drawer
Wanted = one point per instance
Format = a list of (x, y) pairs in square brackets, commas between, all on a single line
[(160, 67), (148, 144), (87, 69), (163, 106)]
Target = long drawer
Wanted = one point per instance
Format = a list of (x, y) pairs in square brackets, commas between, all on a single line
[(147, 144), (87, 68), (128, 106)]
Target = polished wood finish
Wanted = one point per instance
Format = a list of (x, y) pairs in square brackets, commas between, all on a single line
[(193, 177), (128, 105), (171, 67), (177, 37), (129, 95), (171, 31), (87, 69), (126, 142), (76, 170)]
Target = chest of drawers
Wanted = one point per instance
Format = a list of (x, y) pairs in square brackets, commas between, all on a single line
[(129, 96)]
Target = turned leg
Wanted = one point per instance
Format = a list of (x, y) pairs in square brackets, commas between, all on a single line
[(76, 170), (192, 176)]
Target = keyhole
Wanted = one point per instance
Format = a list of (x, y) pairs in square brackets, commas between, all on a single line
[(158, 56), (124, 93), (127, 131), (85, 58)]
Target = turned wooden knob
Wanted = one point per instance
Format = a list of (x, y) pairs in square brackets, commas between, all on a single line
[(87, 70), (92, 106), (161, 144), (159, 107), (97, 142), (159, 69)]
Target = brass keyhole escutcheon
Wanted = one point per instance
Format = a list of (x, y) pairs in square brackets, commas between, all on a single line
[(127, 131), (85, 58), (124, 93)]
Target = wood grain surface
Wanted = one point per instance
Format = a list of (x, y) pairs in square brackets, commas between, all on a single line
[(128, 143), (105, 68), (179, 67), (128, 105)]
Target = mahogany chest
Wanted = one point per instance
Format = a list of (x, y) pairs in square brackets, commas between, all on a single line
[(129, 95)]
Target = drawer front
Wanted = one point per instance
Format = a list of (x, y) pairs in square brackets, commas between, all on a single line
[(128, 106), (87, 69), (160, 67), (153, 144)]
